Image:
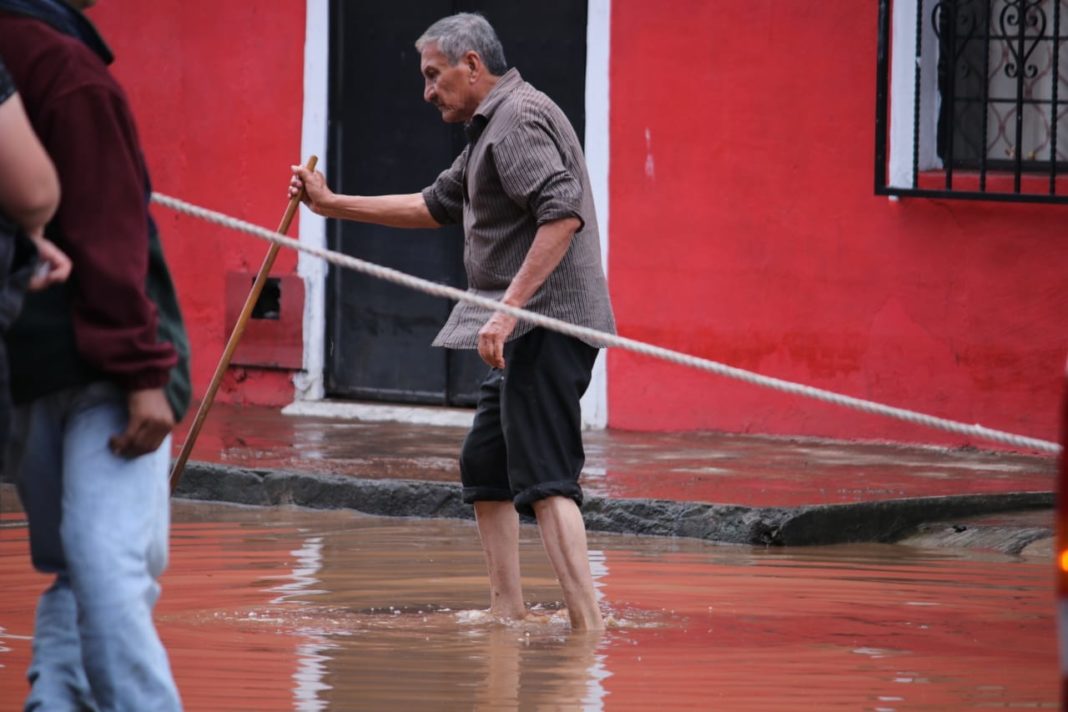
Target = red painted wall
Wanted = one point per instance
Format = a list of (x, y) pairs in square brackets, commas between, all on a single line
[(743, 226), (217, 89), (744, 229)]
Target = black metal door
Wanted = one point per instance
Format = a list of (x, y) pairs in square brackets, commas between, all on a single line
[(385, 139)]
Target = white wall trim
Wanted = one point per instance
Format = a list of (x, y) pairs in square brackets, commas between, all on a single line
[(309, 382), (598, 148), (384, 413)]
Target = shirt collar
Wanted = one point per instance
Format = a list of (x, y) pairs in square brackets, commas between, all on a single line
[(62, 18), (508, 83)]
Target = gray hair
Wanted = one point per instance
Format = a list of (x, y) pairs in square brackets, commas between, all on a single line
[(465, 32)]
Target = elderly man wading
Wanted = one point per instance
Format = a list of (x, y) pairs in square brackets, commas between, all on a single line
[(521, 191)]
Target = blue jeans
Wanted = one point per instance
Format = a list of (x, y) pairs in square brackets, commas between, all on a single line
[(100, 523)]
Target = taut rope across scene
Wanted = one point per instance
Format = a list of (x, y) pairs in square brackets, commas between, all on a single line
[(609, 340)]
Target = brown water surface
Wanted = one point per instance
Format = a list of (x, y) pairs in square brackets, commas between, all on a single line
[(285, 609)]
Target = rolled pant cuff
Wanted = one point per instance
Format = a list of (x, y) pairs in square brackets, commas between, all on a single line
[(525, 500), (486, 494)]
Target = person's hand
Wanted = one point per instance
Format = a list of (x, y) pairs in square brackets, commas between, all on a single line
[(313, 183), (151, 420), (53, 266), (491, 338)]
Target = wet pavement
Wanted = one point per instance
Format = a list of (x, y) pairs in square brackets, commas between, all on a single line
[(291, 609), (802, 490), (705, 467)]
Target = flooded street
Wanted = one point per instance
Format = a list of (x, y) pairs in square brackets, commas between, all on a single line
[(287, 609)]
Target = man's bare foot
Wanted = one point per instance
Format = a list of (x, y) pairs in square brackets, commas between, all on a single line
[(508, 615), (488, 615), (586, 621)]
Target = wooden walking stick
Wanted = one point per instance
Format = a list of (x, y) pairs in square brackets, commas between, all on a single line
[(235, 337)]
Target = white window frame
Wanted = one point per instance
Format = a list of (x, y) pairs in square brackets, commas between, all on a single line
[(904, 63)]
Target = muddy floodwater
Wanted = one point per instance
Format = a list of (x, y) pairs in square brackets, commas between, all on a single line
[(286, 609)]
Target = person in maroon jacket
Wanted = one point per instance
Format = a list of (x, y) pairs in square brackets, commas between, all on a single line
[(99, 377)]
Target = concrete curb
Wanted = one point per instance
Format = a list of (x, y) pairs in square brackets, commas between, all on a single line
[(1011, 540), (881, 521)]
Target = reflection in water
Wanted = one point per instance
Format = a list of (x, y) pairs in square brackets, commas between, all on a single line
[(539, 672), (311, 655), (287, 609)]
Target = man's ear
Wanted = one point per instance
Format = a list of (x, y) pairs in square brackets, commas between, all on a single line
[(473, 63)]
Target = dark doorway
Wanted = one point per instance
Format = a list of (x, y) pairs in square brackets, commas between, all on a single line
[(385, 139)]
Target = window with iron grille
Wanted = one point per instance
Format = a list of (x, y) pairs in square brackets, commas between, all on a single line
[(973, 99)]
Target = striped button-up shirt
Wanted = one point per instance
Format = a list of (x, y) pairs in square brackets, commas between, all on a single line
[(522, 167)]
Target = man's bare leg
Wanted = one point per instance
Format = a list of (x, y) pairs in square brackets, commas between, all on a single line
[(498, 528), (564, 535)]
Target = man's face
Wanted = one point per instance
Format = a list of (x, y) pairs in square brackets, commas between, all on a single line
[(448, 87)]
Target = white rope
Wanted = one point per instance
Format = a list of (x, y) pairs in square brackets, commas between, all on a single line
[(441, 290)]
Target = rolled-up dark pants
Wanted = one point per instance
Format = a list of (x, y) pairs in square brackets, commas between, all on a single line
[(526, 440)]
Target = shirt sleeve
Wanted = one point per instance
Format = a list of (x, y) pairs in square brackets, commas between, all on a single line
[(445, 197), (534, 175), (7, 85), (102, 223)]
